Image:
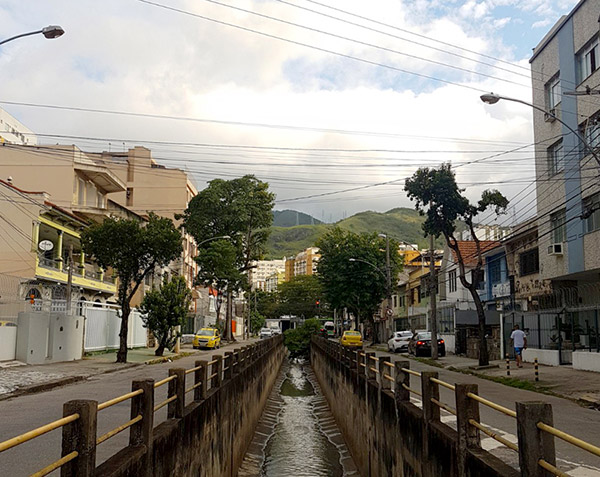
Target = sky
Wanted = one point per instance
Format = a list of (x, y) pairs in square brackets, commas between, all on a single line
[(333, 102)]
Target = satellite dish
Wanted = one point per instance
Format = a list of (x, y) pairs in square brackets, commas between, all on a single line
[(45, 245)]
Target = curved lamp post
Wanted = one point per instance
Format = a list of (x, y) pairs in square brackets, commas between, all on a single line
[(50, 32), (492, 98), (214, 238)]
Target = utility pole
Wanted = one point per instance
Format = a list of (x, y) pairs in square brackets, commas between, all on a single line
[(432, 300), (389, 313), (70, 279)]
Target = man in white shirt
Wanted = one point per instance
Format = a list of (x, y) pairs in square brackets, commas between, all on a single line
[(519, 341)]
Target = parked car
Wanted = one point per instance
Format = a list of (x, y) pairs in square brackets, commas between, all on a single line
[(207, 338), (420, 344), (352, 339), (276, 330), (265, 333), (399, 341)]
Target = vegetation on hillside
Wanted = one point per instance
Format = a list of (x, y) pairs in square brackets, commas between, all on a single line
[(291, 218)]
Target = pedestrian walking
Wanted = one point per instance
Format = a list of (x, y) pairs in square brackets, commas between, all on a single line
[(519, 342)]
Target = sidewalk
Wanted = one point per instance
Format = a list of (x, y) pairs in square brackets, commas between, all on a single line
[(17, 378), (562, 381)]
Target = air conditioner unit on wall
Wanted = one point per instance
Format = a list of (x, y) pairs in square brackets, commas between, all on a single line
[(550, 117), (555, 249)]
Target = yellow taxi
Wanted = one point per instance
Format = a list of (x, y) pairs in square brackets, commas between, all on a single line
[(352, 338), (207, 338)]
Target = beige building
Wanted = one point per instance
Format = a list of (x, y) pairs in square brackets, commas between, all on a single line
[(274, 280), (305, 263)]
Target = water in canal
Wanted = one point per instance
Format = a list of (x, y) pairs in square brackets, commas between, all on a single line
[(298, 447)]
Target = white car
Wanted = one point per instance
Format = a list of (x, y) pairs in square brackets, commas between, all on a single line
[(399, 341), (265, 333)]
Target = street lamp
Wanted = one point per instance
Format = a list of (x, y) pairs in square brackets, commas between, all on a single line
[(50, 32), (493, 98), (214, 238)]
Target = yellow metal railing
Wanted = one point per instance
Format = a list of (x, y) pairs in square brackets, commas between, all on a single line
[(493, 435), (56, 465), (160, 383), (15, 441), (119, 399), (493, 405), (116, 430)]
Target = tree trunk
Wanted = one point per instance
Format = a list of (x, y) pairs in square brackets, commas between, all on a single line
[(160, 350), (484, 358), (122, 353), (229, 312)]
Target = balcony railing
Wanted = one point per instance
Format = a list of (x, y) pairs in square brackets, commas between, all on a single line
[(50, 263)]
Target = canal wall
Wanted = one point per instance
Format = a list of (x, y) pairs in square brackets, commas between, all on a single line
[(212, 433), (387, 434)]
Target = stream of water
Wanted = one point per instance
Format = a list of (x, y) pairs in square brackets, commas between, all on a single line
[(298, 446)]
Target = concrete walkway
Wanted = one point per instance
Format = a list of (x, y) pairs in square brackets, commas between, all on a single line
[(18, 379)]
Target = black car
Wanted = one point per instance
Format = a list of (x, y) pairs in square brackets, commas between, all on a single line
[(420, 345)]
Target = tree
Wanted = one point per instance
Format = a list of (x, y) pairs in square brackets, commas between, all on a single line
[(217, 268), (165, 309), (360, 285), (301, 296), (133, 249), (298, 339), (239, 208), (257, 321), (438, 197), (264, 303)]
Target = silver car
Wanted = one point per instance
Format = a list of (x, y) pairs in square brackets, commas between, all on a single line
[(398, 343), (265, 333)]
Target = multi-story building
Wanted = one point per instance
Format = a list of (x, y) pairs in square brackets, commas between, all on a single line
[(12, 131), (306, 261), (564, 69), (274, 280), (261, 270), (37, 237), (565, 75)]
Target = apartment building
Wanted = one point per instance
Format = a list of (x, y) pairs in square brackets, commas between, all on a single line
[(305, 263), (36, 239), (13, 131), (262, 270), (564, 72), (151, 186)]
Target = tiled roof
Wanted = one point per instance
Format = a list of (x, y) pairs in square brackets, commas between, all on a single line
[(468, 250)]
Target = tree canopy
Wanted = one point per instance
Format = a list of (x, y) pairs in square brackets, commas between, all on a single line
[(240, 209), (438, 197), (301, 296), (164, 309), (358, 285), (133, 249)]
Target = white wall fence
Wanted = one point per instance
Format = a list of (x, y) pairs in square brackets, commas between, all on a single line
[(102, 325)]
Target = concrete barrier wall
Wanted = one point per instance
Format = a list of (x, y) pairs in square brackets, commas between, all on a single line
[(388, 436), (212, 436)]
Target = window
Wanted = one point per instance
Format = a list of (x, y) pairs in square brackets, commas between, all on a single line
[(558, 227), (591, 212), (591, 132), (555, 158), (586, 60), (81, 192), (395, 298), (495, 270), (529, 262), (452, 281), (553, 92)]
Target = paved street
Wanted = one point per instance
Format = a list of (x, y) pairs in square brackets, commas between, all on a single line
[(568, 416), (23, 413)]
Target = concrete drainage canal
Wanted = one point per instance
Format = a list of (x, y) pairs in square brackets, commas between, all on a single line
[(297, 436)]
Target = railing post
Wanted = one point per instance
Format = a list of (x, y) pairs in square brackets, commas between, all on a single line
[(468, 435), (80, 436), (176, 387), (235, 360), (359, 368), (534, 444), (384, 369), (141, 432), (369, 364), (429, 389), (217, 371), (352, 359), (402, 378), (200, 377), (228, 364)]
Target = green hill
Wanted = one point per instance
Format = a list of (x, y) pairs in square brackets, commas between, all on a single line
[(291, 218), (400, 223)]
